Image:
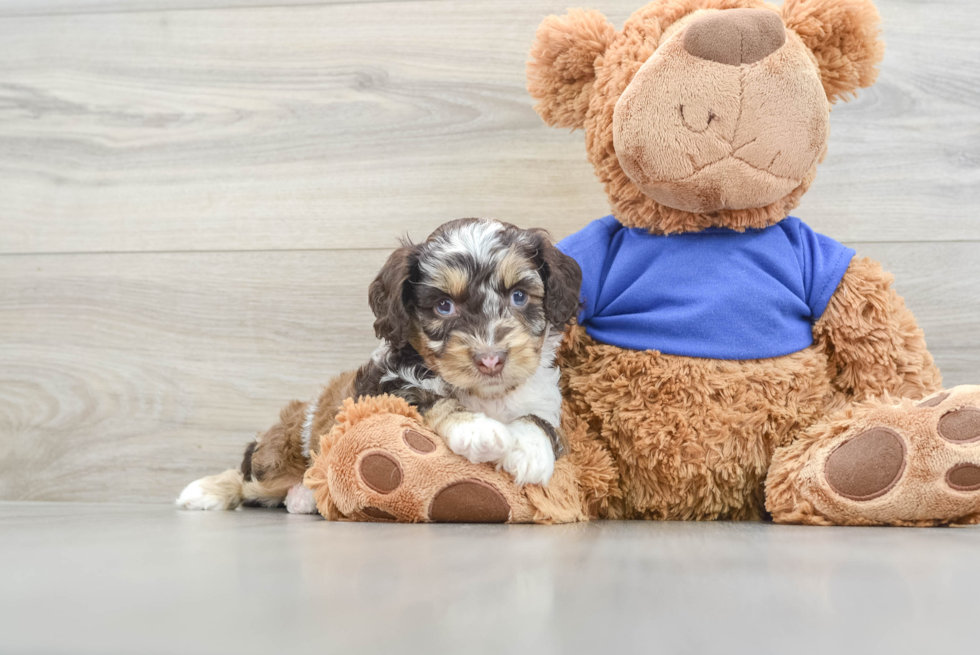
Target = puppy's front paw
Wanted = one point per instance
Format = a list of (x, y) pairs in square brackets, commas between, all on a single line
[(532, 459), (479, 439)]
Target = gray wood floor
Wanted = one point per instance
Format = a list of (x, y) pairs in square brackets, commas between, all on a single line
[(194, 196), (134, 579)]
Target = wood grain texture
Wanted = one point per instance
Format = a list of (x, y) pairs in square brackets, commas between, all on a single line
[(30, 8), (122, 377), (270, 127)]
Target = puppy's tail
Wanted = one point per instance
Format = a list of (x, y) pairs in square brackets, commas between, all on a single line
[(221, 491)]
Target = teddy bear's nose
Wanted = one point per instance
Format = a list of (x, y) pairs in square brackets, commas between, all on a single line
[(735, 36)]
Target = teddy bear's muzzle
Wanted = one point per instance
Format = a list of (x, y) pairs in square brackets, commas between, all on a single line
[(735, 36), (729, 113)]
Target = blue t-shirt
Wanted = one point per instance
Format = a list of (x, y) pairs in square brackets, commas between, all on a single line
[(717, 293)]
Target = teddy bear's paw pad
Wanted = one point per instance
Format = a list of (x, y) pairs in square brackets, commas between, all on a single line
[(964, 477), (934, 400), (960, 426), (418, 442), (381, 472), (868, 465), (469, 501)]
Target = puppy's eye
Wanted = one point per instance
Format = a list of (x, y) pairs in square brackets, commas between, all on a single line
[(445, 307), (519, 298)]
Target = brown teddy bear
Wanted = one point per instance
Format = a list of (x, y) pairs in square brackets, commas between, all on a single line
[(729, 362)]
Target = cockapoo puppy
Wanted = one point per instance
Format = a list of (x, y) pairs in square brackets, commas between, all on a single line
[(470, 321)]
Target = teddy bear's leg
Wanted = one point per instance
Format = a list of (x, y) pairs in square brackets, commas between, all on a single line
[(380, 463), (884, 462)]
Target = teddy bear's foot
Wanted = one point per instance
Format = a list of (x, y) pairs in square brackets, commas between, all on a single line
[(885, 462), (381, 464)]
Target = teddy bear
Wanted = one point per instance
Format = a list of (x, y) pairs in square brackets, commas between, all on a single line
[(728, 361)]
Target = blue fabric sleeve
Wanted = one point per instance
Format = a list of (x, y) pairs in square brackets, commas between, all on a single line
[(590, 247), (824, 263)]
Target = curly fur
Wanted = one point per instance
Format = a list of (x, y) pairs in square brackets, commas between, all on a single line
[(844, 37), (561, 68), (872, 341), (692, 438)]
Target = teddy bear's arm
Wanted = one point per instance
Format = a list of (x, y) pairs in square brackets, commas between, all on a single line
[(872, 339)]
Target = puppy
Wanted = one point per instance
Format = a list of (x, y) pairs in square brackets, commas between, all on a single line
[(469, 321)]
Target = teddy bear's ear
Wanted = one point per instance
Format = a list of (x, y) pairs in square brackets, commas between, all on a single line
[(844, 36), (561, 68)]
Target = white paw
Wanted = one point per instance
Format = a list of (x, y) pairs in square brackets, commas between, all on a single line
[(479, 440), (299, 500), (532, 459), (195, 497)]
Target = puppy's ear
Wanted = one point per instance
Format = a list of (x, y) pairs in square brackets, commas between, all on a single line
[(845, 38), (561, 67), (562, 281), (390, 296)]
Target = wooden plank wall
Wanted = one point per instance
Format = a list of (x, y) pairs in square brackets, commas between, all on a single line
[(195, 194)]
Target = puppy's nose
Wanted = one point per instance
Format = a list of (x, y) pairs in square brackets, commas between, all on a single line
[(735, 36), (490, 362)]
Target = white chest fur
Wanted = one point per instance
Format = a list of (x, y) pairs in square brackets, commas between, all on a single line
[(539, 395)]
